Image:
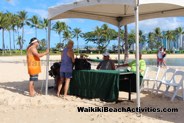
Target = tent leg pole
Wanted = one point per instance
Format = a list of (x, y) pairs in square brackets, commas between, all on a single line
[(119, 40), (137, 52), (47, 59), (119, 19)]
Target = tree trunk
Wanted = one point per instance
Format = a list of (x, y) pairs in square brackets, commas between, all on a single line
[(10, 40), (22, 39), (126, 45), (46, 35), (3, 45), (77, 45), (14, 39), (35, 32), (181, 43), (60, 38)]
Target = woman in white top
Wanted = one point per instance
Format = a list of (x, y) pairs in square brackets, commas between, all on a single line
[(159, 57)]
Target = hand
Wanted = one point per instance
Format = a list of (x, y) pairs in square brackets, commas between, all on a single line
[(47, 51)]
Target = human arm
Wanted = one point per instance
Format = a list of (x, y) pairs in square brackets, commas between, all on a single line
[(39, 55), (99, 65), (112, 65), (123, 65)]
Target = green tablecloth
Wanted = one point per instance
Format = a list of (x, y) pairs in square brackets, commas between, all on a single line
[(103, 84)]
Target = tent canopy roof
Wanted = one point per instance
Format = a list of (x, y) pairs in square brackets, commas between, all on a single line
[(109, 10)]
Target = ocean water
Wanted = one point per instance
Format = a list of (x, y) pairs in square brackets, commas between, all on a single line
[(169, 61)]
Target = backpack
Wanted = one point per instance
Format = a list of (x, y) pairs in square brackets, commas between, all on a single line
[(55, 69)]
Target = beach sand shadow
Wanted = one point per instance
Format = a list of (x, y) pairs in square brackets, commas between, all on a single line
[(21, 87), (155, 102), (149, 100)]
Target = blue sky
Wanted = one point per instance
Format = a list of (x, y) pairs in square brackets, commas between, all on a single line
[(39, 7)]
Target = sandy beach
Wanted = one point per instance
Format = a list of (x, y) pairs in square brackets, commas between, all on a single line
[(112, 56), (17, 107)]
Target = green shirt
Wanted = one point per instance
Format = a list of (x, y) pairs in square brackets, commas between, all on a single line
[(142, 66)]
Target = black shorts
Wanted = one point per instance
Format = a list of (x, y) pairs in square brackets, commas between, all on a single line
[(33, 78)]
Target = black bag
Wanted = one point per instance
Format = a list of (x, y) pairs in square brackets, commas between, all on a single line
[(82, 64), (55, 68)]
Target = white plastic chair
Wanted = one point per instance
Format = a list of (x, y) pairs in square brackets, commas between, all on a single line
[(151, 74), (166, 78), (176, 83)]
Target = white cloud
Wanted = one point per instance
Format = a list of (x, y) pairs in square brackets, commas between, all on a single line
[(163, 23), (80, 20), (67, 21), (66, 1), (41, 12), (29, 31), (12, 2)]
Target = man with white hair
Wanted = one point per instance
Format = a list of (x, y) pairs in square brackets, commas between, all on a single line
[(106, 64), (67, 60)]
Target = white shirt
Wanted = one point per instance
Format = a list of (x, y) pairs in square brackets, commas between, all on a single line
[(159, 54)]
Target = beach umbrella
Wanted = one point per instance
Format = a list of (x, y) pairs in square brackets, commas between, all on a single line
[(118, 13)]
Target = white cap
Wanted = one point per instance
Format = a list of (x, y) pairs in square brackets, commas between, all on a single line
[(106, 54)]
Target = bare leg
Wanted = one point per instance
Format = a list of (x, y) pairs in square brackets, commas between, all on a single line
[(161, 62), (60, 82), (31, 88), (164, 63), (158, 63), (67, 83)]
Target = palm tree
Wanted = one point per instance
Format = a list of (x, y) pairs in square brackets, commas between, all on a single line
[(66, 36), (141, 37), (98, 32), (15, 23), (101, 36), (34, 23), (175, 35), (9, 27), (122, 37), (60, 27), (23, 17), (158, 36), (19, 42), (44, 25), (131, 38), (179, 31), (59, 46), (43, 44), (126, 45), (77, 33), (105, 33), (169, 36), (3, 25), (151, 40)]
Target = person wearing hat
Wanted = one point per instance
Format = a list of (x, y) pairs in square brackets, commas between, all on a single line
[(106, 64), (33, 63)]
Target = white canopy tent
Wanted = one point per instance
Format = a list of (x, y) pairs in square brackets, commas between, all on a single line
[(118, 13)]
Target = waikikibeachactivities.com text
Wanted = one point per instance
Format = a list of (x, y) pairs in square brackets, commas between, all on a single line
[(123, 109)]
